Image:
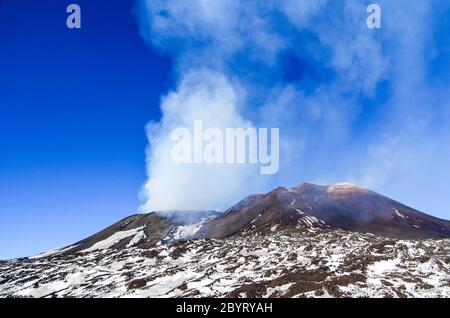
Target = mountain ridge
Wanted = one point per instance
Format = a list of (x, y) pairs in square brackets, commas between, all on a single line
[(306, 241), (341, 206)]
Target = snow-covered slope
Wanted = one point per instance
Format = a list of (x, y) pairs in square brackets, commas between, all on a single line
[(341, 206), (294, 263), (143, 230), (304, 241)]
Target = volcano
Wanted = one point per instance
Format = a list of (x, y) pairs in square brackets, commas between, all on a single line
[(306, 241), (342, 206), (336, 207)]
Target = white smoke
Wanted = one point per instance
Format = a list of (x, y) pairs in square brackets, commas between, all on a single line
[(206, 96), (227, 60)]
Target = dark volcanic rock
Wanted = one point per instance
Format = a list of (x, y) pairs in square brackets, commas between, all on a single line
[(306, 241), (156, 226), (341, 206)]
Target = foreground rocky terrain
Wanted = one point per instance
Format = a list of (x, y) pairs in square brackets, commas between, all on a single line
[(294, 263), (309, 241)]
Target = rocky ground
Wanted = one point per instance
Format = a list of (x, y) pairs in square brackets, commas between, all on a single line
[(305, 241), (295, 262)]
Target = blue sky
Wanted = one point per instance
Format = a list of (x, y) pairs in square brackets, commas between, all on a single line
[(353, 104), (73, 107)]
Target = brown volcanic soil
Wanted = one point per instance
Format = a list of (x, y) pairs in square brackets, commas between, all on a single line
[(306, 241), (343, 206), (296, 263)]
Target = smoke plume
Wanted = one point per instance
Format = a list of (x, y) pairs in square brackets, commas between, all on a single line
[(352, 103)]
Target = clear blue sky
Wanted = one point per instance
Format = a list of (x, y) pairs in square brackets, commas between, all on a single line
[(73, 107), (353, 104)]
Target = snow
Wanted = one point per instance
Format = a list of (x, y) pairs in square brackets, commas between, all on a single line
[(113, 239), (380, 267), (54, 252), (399, 214), (44, 290), (137, 238), (282, 289), (214, 268), (299, 211), (162, 286)]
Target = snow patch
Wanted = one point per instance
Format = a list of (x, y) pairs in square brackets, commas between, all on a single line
[(380, 267), (399, 214), (113, 239), (54, 252), (282, 289), (299, 211), (137, 238)]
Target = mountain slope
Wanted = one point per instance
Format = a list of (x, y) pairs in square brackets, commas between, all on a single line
[(140, 230), (341, 206), (307, 241), (285, 263)]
